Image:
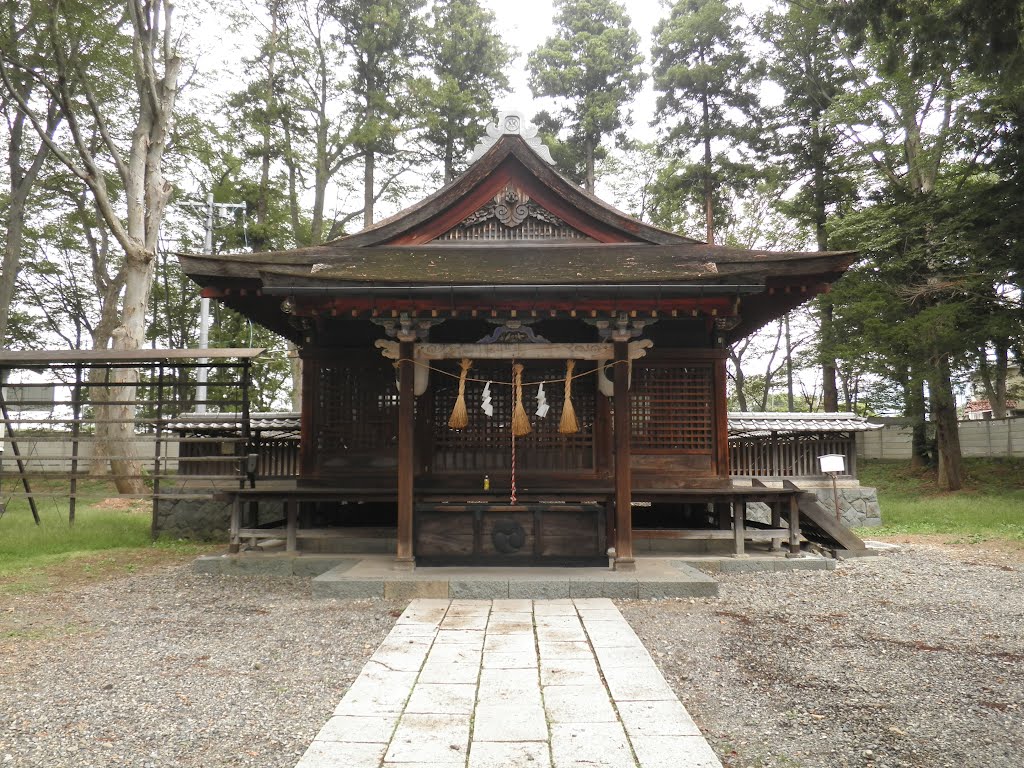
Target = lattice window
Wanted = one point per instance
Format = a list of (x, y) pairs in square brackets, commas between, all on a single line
[(485, 445), (672, 408), (356, 407)]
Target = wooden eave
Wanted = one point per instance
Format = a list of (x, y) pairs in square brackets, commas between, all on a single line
[(607, 264)]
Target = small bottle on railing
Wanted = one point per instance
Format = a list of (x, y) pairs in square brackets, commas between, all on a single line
[(487, 482)]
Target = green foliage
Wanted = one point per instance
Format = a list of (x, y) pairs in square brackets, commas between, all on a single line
[(807, 60), (707, 85), (467, 60), (592, 66), (383, 39)]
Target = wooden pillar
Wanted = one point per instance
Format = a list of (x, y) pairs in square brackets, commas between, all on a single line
[(623, 473), (794, 527), (310, 416), (721, 416), (406, 452), (739, 524)]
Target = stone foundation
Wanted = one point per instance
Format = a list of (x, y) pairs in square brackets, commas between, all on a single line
[(858, 506), (204, 519)]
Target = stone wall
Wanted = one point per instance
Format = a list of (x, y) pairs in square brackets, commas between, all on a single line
[(858, 506), (204, 519)]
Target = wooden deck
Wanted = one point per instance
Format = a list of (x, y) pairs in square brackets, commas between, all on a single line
[(594, 504)]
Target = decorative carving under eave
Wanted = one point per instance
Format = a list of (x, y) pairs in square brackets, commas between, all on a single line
[(511, 207), (621, 328), (512, 215), (513, 332), (405, 328)]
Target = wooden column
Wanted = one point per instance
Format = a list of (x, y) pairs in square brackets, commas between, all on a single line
[(406, 452), (721, 416), (739, 524), (623, 473), (310, 416)]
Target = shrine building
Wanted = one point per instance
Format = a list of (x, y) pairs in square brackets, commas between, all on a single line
[(512, 371)]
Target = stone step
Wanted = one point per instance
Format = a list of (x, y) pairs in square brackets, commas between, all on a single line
[(378, 577)]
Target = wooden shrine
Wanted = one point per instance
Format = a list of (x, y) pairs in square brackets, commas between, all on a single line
[(513, 265)]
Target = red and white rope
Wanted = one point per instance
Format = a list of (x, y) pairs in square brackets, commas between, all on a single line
[(512, 499)]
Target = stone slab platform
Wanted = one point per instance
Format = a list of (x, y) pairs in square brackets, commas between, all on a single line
[(378, 577), (361, 576), (510, 683)]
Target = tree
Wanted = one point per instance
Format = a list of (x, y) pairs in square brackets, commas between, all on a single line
[(88, 47), (383, 37), (806, 61), (25, 160), (593, 64), (467, 61), (707, 81)]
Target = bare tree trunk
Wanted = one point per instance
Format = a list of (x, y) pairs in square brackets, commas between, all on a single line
[(589, 149), (295, 363), (790, 405), (709, 206), (915, 411), (994, 380), (21, 182), (737, 361), (369, 167), (943, 407), (829, 388), (449, 160)]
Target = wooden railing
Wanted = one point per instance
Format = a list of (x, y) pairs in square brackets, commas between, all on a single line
[(788, 455)]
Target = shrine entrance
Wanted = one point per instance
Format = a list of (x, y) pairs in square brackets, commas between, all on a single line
[(483, 447)]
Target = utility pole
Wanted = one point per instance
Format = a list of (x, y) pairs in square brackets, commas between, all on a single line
[(211, 209)]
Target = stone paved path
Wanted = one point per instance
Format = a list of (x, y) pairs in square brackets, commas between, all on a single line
[(510, 684)]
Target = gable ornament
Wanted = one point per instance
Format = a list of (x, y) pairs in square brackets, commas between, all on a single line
[(512, 124)]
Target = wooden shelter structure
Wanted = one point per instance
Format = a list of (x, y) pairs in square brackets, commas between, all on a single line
[(513, 265)]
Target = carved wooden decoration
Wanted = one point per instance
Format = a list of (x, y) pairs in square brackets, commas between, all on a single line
[(512, 215)]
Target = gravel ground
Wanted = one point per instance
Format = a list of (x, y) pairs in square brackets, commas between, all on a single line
[(909, 659), (170, 668)]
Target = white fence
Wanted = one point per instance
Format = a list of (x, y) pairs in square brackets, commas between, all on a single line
[(989, 438)]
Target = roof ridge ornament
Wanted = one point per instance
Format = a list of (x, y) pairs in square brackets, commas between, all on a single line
[(512, 124)]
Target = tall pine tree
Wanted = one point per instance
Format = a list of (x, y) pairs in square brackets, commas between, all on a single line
[(592, 66), (708, 88), (467, 60)]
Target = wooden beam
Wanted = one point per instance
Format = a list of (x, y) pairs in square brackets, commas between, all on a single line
[(623, 472), (406, 437)]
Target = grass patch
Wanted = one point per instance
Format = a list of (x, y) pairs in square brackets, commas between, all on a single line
[(111, 536), (990, 506)]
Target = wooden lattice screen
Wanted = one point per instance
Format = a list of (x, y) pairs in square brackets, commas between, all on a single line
[(485, 445), (356, 408), (672, 407), (774, 455)]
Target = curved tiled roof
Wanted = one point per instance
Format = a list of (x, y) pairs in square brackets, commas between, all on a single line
[(749, 423), (740, 422)]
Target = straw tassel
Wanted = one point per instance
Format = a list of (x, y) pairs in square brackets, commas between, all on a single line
[(520, 421), (460, 417), (568, 424)]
